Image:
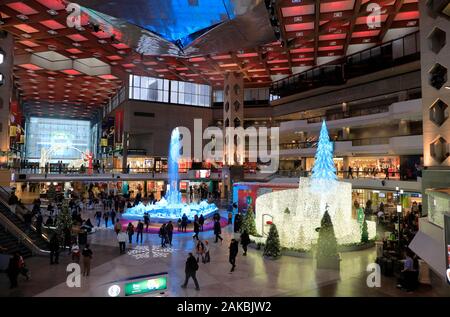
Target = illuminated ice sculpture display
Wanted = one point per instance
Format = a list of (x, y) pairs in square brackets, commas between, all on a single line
[(298, 212), (171, 207)]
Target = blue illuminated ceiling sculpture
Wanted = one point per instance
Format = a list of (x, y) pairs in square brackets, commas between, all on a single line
[(186, 27)]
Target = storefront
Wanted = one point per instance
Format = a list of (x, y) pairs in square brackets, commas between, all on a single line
[(364, 166), (388, 198), (338, 162)]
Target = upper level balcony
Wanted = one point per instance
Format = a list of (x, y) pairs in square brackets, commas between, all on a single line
[(390, 54), (402, 110)]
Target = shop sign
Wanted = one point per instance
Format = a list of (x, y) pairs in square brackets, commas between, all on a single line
[(146, 286)]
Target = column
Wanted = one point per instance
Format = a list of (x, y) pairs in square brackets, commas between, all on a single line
[(6, 88), (233, 113), (233, 116), (435, 63)]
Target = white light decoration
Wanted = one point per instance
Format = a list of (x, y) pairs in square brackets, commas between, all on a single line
[(297, 229), (297, 213), (2, 57)]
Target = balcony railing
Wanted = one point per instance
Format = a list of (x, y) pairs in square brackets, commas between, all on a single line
[(348, 114), (367, 174), (397, 52)]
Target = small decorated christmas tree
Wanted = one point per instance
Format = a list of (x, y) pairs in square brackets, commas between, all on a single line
[(287, 211), (63, 221), (249, 223), (324, 168), (272, 247), (327, 256), (364, 232)]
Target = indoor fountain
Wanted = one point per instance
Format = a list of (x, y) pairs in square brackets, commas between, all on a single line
[(171, 206)]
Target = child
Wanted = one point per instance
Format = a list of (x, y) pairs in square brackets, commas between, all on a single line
[(179, 224)]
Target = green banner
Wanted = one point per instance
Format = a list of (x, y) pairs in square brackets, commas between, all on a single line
[(146, 286)]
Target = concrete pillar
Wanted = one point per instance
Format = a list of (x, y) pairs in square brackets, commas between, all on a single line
[(345, 133), (404, 127), (6, 88), (233, 114)]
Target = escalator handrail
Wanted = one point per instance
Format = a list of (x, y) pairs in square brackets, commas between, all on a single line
[(23, 209), (12, 228)]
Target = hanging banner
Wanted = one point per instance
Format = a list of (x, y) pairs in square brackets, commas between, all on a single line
[(119, 126)]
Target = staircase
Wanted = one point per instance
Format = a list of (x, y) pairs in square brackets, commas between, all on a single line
[(12, 244)]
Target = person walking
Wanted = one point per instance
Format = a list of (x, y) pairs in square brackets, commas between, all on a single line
[(98, 216), (169, 229), (245, 241), (122, 238), (184, 221), (200, 251), (113, 216), (206, 250), (201, 221), (217, 231), (191, 271), (54, 249), (179, 224), (234, 249), (130, 232), (146, 221), (13, 270), (106, 217), (117, 227), (196, 229), (39, 221), (230, 217), (22, 267), (87, 258), (140, 231), (162, 235)]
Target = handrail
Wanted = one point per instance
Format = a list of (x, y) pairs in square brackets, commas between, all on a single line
[(21, 236), (318, 73), (22, 209)]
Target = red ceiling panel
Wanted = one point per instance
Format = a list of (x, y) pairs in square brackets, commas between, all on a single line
[(337, 6), (299, 26), (52, 24), (30, 67), (331, 37), (77, 37), (26, 28), (402, 16), (22, 8), (297, 10)]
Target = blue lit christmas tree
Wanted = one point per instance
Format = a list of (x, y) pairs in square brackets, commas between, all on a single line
[(324, 168)]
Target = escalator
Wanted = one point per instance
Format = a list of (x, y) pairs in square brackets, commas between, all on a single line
[(12, 244), (15, 225)]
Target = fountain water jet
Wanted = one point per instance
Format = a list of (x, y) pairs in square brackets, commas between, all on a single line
[(171, 207)]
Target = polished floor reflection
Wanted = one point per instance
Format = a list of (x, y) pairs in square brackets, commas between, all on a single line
[(254, 275)]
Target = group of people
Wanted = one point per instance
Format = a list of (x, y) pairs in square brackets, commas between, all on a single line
[(201, 250)]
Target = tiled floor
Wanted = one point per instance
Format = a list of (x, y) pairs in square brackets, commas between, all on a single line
[(254, 275)]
